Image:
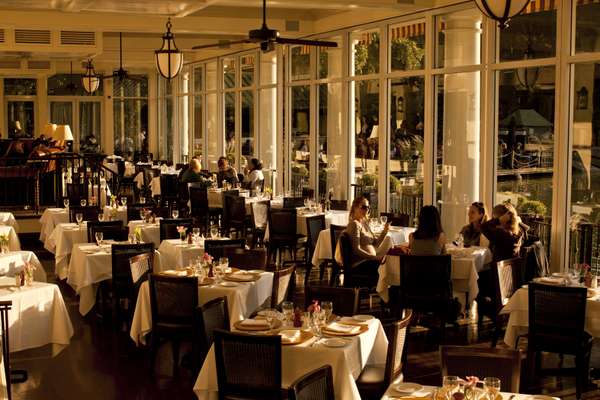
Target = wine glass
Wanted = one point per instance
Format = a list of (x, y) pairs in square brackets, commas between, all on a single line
[(383, 219), (214, 232), (66, 203), (99, 237), (175, 213), (327, 308), (287, 307), (450, 385), (83, 202), (79, 218), (491, 386), (124, 201), (224, 261), (196, 234), (142, 214)]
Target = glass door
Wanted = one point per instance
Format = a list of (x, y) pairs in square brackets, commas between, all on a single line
[(83, 117)]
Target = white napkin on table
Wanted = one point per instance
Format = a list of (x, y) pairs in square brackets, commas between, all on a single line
[(335, 327), (173, 272), (289, 335), (255, 323)]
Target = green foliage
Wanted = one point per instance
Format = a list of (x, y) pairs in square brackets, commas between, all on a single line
[(368, 180), (531, 207), (406, 54), (299, 169), (366, 57), (394, 184)]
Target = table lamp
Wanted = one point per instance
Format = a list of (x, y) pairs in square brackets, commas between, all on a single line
[(49, 130)]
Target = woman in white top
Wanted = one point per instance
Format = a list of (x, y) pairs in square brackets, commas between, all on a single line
[(254, 175)]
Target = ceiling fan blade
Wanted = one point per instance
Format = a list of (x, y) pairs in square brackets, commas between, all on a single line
[(222, 44), (306, 42)]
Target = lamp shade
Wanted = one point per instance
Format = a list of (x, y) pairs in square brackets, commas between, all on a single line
[(90, 80), (63, 132), (49, 130), (501, 10), (169, 59)]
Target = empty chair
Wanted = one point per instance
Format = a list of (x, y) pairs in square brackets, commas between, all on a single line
[(375, 378), (75, 193), (283, 232), (344, 300), (260, 219), (293, 202), (212, 315), (314, 226), (111, 230), (504, 364), (89, 213), (235, 217), (174, 303), (283, 283), (168, 227), (316, 385), (396, 219), (248, 366), (216, 248), (140, 266), (246, 259), (340, 205), (199, 209), (168, 189)]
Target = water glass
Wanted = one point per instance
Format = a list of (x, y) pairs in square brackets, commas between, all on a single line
[(66, 203), (79, 218), (224, 262), (450, 385), (124, 201), (142, 214), (214, 232), (327, 308), (287, 307), (131, 238), (142, 200), (83, 202), (175, 213), (383, 219), (100, 217), (491, 386), (99, 237), (196, 234)]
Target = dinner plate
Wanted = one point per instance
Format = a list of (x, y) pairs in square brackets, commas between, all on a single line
[(302, 337), (363, 317), (406, 388), (334, 342), (228, 284), (256, 271), (328, 332), (539, 397), (276, 324)]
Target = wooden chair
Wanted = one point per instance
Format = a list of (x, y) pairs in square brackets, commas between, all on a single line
[(140, 266), (344, 300), (89, 213), (246, 259), (351, 277), (314, 226), (260, 219), (12, 375), (248, 366), (334, 234), (168, 227), (504, 364), (283, 282), (293, 202), (316, 385), (134, 210), (216, 248), (168, 189), (174, 304), (212, 315), (308, 193), (111, 230), (283, 232), (235, 217), (75, 192), (375, 379)]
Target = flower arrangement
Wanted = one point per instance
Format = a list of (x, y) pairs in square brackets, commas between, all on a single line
[(138, 234), (28, 269), (4, 242), (207, 258), (113, 201), (314, 307), (469, 386), (182, 232)]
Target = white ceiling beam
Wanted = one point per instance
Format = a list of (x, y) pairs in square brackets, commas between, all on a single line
[(77, 5), (332, 4), (196, 7)]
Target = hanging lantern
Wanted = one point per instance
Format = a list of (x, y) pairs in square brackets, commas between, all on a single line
[(90, 80), (169, 59), (501, 10)]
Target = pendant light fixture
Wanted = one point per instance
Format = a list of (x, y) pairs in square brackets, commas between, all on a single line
[(90, 80), (169, 59), (501, 10)]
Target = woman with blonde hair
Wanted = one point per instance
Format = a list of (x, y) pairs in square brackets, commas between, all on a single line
[(504, 233), (471, 233)]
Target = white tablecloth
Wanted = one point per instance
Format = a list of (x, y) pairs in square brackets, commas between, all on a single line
[(391, 394), (518, 321), (13, 262), (176, 254), (13, 239), (50, 218), (347, 363), (38, 315), (242, 301), (150, 232), (121, 214), (7, 218), (60, 243), (466, 263), (322, 252)]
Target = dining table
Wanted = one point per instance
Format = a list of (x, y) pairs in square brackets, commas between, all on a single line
[(118, 213), (150, 232), (12, 263), (38, 315), (60, 243), (243, 298), (9, 232), (177, 253), (425, 392), (467, 262), (7, 218), (50, 218), (347, 362)]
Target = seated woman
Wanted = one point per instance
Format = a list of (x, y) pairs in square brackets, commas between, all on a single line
[(226, 172), (505, 233), (472, 232), (365, 245), (254, 174), (429, 238)]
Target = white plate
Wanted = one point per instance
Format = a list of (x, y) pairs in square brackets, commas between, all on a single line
[(228, 284), (407, 388), (539, 397), (256, 271), (334, 342), (363, 318)]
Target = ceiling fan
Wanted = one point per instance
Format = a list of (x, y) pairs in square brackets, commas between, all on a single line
[(120, 74), (267, 38)]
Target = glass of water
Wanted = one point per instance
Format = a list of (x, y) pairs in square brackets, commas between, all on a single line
[(79, 218), (491, 386), (83, 202), (383, 219), (101, 217), (66, 203), (99, 237), (214, 231), (327, 308), (196, 234), (287, 307), (124, 201), (175, 213), (450, 385)]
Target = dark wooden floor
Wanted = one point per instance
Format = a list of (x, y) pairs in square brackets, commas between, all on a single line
[(101, 363)]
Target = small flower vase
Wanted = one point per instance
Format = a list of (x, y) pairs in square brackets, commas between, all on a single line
[(211, 273), (183, 237)]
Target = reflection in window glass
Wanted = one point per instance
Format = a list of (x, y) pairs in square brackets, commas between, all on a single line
[(531, 34), (69, 85), (526, 145), (247, 125), (229, 129), (458, 38), (587, 28), (61, 112), (247, 70), (330, 60), (366, 126), (268, 68), (212, 132), (211, 75), (20, 87), (333, 144), (21, 118), (268, 128), (134, 86), (300, 62), (300, 138), (198, 140), (90, 126), (198, 79), (130, 125), (407, 44), (457, 148), (585, 169), (365, 45), (407, 108), (229, 73)]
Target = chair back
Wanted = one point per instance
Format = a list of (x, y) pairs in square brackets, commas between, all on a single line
[(198, 199), (248, 366), (89, 213), (396, 219), (508, 272), (140, 266), (260, 214), (556, 318), (173, 300), (282, 224), (122, 280), (216, 248), (183, 195), (293, 202), (425, 283), (340, 205), (314, 226), (236, 208), (75, 192), (213, 315), (344, 300), (133, 210), (111, 230), (282, 281), (316, 385), (246, 259), (168, 185), (5, 306), (168, 227), (396, 353), (335, 231), (504, 364), (308, 193)]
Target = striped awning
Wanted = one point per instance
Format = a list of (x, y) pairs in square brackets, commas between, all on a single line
[(407, 31), (535, 6)]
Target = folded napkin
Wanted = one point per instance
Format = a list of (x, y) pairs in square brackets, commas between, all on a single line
[(289, 335), (255, 323), (551, 280), (173, 272), (89, 247), (339, 328), (243, 275)]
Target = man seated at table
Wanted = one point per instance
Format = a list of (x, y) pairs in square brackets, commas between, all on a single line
[(226, 172), (193, 173)]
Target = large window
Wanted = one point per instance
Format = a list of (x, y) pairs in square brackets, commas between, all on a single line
[(20, 106), (130, 108), (197, 140), (166, 123), (300, 138)]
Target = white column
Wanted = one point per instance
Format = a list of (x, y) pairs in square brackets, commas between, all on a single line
[(461, 156), (337, 140)]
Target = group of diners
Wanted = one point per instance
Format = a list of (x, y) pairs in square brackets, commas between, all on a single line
[(250, 179)]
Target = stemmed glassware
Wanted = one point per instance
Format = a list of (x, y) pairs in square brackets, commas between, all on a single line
[(214, 231), (287, 308), (327, 309), (196, 234), (79, 218), (66, 203), (383, 219), (491, 386), (83, 202), (124, 201), (450, 385), (175, 213), (99, 237)]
